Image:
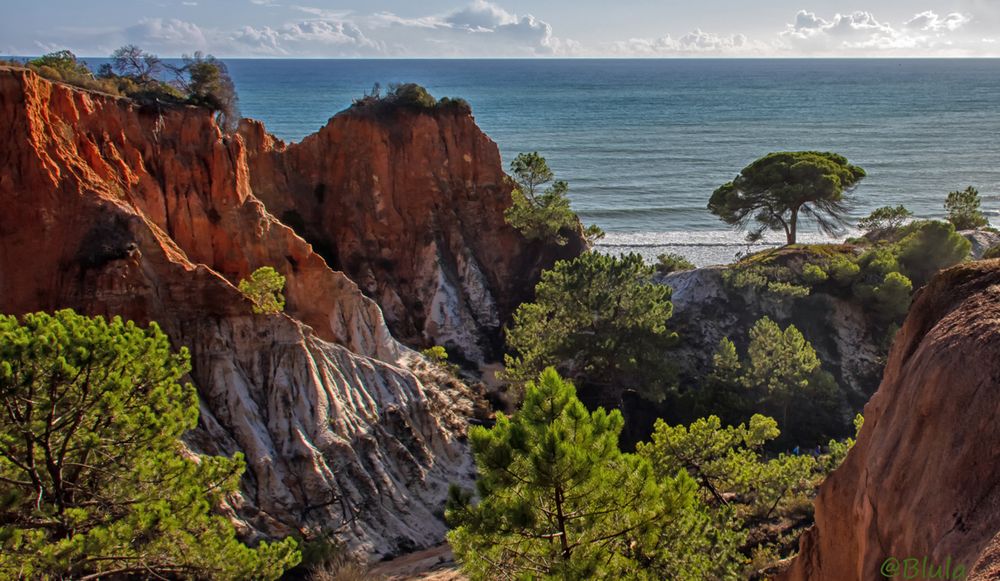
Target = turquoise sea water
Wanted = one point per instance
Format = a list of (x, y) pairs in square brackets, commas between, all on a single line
[(643, 143)]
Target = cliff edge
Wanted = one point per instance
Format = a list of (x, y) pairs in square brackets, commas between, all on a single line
[(409, 203), (113, 208), (921, 482)]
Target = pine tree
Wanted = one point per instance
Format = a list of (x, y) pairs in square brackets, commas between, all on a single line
[(559, 500), (264, 288), (784, 372), (601, 321), (94, 480)]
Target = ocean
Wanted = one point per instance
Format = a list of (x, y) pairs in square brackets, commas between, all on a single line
[(643, 143)]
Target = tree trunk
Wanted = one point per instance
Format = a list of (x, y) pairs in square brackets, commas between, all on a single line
[(792, 225)]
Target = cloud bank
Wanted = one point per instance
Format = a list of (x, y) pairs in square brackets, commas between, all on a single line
[(485, 29)]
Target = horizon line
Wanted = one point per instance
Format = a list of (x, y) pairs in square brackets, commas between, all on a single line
[(557, 58)]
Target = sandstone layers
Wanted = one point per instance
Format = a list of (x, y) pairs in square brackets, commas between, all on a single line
[(922, 481), (410, 206), (150, 213)]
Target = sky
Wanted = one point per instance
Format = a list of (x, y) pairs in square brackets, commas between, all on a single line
[(509, 28)]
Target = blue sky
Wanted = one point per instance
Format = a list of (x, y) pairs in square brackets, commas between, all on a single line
[(508, 28)]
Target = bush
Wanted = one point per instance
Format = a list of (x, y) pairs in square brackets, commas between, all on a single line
[(672, 262), (439, 356), (884, 221), (407, 95), (264, 289), (784, 290), (992, 252), (814, 274), (963, 209), (929, 247)]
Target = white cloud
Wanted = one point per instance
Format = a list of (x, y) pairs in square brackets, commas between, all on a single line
[(698, 42), (483, 28), (929, 21), (861, 33), (308, 38), (167, 36)]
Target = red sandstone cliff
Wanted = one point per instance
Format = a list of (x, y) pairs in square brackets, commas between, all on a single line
[(409, 203), (110, 208), (922, 480)]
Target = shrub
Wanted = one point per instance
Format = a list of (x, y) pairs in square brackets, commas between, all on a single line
[(411, 95), (785, 290), (264, 288), (929, 247), (884, 221), (672, 262), (407, 95), (992, 252), (893, 296), (814, 274), (439, 356), (963, 209)]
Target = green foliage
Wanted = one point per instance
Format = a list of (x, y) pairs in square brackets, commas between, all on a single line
[(93, 477), (203, 80), (407, 96), (992, 252), (63, 66), (541, 214), (928, 247), (601, 321), (813, 274), (782, 375), (776, 282), (787, 291), (744, 488), (840, 448), (963, 209), (559, 500), (209, 85), (893, 296), (884, 222), (773, 190), (439, 355), (672, 262), (64, 63), (843, 269), (264, 288)]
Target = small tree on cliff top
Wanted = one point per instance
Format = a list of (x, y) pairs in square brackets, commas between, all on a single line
[(264, 288), (963, 209), (776, 188), (93, 478), (542, 214)]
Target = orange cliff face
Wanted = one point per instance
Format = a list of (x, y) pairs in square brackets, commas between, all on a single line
[(410, 204), (115, 209), (921, 484)]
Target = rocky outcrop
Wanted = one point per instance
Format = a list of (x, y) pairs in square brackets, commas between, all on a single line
[(115, 209), (706, 311), (981, 240), (409, 203), (921, 482)]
